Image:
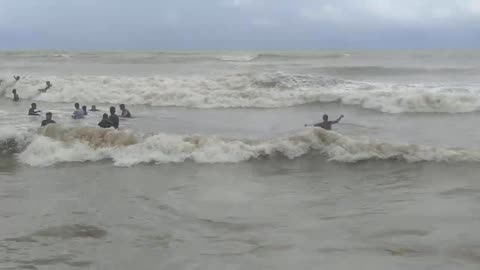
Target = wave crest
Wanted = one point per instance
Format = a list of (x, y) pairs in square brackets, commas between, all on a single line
[(238, 58), (126, 149), (266, 90)]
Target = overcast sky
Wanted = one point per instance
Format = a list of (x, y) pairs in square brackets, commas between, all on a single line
[(239, 24)]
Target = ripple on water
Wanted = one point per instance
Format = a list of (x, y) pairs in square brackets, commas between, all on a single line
[(66, 259), (72, 231)]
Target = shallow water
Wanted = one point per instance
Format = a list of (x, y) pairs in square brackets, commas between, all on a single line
[(269, 214)]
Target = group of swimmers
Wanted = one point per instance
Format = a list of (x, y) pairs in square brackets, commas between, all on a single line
[(80, 113), (16, 97), (112, 120)]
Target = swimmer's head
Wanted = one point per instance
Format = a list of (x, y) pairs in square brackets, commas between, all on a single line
[(112, 110), (84, 108), (48, 115), (325, 117), (94, 107), (105, 116), (77, 106), (34, 105), (14, 91), (122, 106), (48, 83)]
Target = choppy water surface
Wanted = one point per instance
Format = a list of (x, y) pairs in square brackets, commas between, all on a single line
[(217, 171)]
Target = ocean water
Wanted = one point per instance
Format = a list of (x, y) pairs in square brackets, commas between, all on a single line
[(217, 171)]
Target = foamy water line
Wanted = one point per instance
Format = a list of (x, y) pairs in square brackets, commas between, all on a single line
[(57, 144), (265, 90)]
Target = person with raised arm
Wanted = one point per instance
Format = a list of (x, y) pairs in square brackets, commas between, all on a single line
[(44, 90), (326, 124)]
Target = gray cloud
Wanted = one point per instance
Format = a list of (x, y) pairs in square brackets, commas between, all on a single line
[(238, 24)]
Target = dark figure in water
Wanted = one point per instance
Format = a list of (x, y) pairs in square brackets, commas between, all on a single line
[(16, 98), (84, 109), (49, 120), (33, 110), (113, 118), (44, 90), (105, 123), (17, 78), (125, 112), (94, 108), (78, 113), (327, 124)]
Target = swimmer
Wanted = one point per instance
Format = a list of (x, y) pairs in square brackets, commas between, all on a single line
[(113, 118), (94, 109), (125, 112), (17, 78), (48, 119), (84, 109), (44, 90), (16, 98), (326, 124), (33, 110), (78, 113), (105, 123)]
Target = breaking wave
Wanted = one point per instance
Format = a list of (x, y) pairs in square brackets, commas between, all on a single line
[(238, 58), (56, 144), (267, 90)]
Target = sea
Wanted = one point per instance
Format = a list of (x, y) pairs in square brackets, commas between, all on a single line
[(217, 170)]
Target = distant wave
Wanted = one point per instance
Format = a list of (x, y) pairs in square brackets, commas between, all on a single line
[(264, 90), (56, 144), (306, 55), (279, 56), (62, 55), (396, 71), (238, 58)]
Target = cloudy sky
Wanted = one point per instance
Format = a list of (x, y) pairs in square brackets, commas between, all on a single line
[(239, 24)]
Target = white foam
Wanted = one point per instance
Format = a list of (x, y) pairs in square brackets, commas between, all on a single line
[(238, 58), (266, 90), (6, 86), (62, 55), (14, 139), (127, 149)]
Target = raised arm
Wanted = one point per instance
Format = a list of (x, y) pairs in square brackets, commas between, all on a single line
[(338, 120)]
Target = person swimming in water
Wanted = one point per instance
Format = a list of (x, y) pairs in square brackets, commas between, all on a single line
[(44, 90), (48, 119), (33, 110), (125, 112), (84, 109), (327, 124), (113, 118), (16, 98), (78, 113), (94, 109), (17, 78), (105, 123)]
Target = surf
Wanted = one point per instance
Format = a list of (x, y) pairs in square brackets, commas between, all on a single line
[(253, 90), (57, 144)]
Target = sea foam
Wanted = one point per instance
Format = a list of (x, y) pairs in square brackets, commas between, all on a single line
[(266, 90), (56, 144)]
